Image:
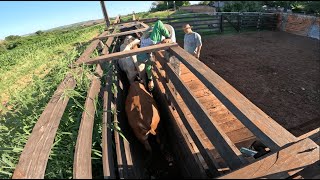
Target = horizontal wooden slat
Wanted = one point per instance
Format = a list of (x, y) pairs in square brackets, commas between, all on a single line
[(180, 107), (261, 125), (33, 160), (193, 23), (281, 164), (123, 54), (123, 33), (313, 135), (219, 139), (188, 154), (86, 54)]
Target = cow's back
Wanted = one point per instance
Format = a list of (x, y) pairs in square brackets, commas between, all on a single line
[(141, 110)]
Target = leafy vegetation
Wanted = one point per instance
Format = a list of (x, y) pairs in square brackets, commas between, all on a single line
[(165, 5), (30, 73)]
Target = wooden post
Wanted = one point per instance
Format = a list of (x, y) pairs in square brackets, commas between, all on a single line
[(221, 23), (239, 23), (133, 16), (105, 14), (258, 22)]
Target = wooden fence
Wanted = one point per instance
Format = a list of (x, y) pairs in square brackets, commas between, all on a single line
[(207, 144), (220, 22)]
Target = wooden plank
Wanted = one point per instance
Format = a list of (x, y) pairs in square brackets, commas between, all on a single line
[(123, 33), (313, 135), (218, 138), (310, 172), (189, 157), (281, 164), (193, 23), (261, 125), (82, 168), (86, 54), (123, 54), (107, 150), (33, 160), (180, 107)]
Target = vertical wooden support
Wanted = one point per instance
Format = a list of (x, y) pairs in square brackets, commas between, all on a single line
[(221, 23), (239, 22), (105, 14)]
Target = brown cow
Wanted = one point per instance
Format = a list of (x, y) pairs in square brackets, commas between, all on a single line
[(142, 112)]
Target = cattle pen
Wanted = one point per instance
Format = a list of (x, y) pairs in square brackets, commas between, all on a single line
[(207, 122)]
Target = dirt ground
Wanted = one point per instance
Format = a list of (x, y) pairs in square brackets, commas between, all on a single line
[(277, 71)]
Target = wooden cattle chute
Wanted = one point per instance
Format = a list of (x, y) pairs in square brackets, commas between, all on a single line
[(209, 121)]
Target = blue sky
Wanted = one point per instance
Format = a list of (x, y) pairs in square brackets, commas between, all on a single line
[(24, 17)]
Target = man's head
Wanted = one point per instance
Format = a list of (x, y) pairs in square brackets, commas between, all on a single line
[(187, 28)]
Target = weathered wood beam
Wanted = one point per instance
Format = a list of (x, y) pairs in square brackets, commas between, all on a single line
[(33, 160), (122, 33), (123, 54), (260, 124), (82, 167), (219, 139), (281, 164)]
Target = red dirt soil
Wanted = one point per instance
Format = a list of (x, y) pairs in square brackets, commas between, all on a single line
[(277, 71)]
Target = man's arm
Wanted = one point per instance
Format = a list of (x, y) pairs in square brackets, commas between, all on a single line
[(199, 45), (198, 51), (132, 44)]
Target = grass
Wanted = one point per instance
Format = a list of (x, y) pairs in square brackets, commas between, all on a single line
[(29, 75), (43, 65)]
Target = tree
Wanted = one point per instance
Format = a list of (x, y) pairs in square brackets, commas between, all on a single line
[(12, 37), (164, 5), (312, 7), (204, 2), (39, 32), (243, 6)]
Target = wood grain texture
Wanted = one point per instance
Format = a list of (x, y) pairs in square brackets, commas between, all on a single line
[(261, 125), (123, 54), (82, 166), (282, 164), (33, 160)]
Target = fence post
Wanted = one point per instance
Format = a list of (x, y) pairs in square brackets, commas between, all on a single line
[(221, 23), (258, 22), (239, 24)]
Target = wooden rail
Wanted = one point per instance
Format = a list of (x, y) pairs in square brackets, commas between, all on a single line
[(219, 139), (82, 167), (33, 160), (123, 54), (290, 155), (261, 125), (281, 164)]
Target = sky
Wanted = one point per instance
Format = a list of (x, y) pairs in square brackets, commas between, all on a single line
[(24, 17)]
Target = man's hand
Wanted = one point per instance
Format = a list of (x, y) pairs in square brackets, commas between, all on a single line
[(197, 56), (166, 41)]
